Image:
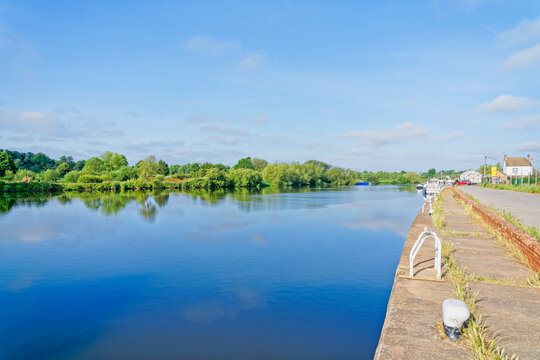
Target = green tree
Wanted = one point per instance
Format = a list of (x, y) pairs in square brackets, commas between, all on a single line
[(324, 165), (244, 163), (431, 173), (49, 175), (66, 159), (173, 169), (6, 163), (25, 175), (41, 162), (113, 161), (63, 169), (79, 165), (162, 168), (259, 164), (72, 176), (278, 174), (93, 166), (245, 178), (194, 167), (147, 167)]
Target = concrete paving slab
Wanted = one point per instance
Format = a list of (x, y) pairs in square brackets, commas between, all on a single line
[(513, 314), (481, 254), (410, 329)]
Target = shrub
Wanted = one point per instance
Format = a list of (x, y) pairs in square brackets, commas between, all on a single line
[(8, 175), (25, 175), (72, 176), (87, 178), (49, 175), (245, 178)]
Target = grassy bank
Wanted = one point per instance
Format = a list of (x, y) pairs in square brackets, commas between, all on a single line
[(12, 187), (535, 189), (52, 187)]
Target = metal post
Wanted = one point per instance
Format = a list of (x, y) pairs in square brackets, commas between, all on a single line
[(485, 164)]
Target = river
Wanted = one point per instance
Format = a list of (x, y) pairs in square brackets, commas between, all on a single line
[(290, 274)]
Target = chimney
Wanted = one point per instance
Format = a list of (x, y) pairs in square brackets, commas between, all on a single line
[(529, 157), (505, 157)]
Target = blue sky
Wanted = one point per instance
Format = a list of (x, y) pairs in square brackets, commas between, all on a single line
[(382, 85)]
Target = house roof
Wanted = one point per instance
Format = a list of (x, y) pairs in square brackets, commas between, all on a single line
[(517, 161)]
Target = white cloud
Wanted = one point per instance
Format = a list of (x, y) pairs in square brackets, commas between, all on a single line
[(529, 122), (203, 119), (523, 59), (253, 60), (400, 133), (451, 136), (240, 57), (525, 31), (42, 124), (155, 146), (259, 119), (508, 103), (225, 130), (530, 146)]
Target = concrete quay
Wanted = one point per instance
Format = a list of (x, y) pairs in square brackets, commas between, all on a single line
[(511, 310)]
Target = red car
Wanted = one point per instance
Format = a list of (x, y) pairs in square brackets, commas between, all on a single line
[(463, 182)]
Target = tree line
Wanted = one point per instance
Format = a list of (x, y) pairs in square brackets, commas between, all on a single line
[(113, 167), (247, 172)]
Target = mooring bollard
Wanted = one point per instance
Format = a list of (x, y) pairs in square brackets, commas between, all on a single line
[(455, 313)]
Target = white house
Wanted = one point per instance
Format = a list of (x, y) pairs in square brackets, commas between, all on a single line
[(473, 176), (518, 166)]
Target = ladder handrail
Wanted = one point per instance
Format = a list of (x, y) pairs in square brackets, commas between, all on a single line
[(424, 235)]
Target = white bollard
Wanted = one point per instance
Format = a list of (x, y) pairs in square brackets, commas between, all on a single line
[(455, 313)]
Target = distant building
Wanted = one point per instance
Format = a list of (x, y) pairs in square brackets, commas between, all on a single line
[(500, 178), (473, 176), (518, 166)]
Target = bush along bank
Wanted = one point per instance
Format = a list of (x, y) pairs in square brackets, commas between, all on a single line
[(32, 187), (21, 187)]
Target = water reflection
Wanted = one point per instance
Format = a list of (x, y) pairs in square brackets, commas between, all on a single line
[(270, 274), (228, 304), (246, 199)]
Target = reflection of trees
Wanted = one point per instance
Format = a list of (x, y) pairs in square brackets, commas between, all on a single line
[(246, 199), (148, 211), (161, 199), (30, 200), (108, 204)]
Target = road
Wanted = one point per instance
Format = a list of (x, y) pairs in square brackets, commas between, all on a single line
[(524, 206)]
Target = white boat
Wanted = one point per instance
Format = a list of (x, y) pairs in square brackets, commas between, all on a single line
[(420, 187), (434, 186)]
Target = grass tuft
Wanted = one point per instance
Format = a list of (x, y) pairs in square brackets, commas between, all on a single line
[(438, 213), (483, 345)]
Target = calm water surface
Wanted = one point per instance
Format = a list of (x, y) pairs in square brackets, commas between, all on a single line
[(225, 275)]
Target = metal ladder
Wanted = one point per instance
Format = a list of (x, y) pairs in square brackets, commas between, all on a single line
[(426, 234)]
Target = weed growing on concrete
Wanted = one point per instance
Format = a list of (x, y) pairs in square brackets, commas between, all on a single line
[(454, 233), (438, 216), (532, 281)]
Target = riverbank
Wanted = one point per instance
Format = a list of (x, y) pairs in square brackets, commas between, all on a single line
[(115, 186), (506, 310)]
